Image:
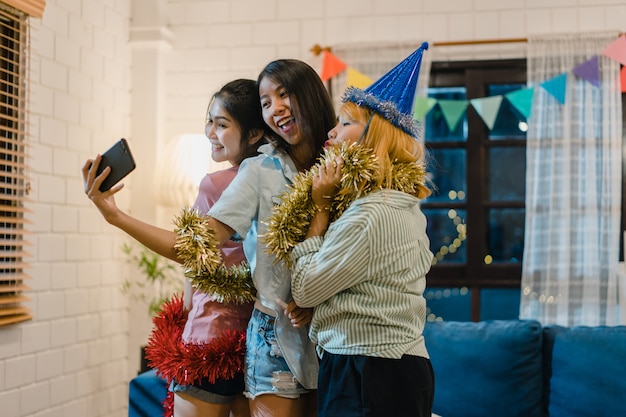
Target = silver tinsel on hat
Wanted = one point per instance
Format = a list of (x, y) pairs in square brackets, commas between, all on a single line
[(393, 95), (386, 109)]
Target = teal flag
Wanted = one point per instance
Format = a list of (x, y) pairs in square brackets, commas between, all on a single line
[(487, 108), (522, 100), (422, 106), (452, 111), (556, 87)]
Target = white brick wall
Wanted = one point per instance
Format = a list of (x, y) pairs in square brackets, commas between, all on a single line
[(80, 94), (78, 354), (247, 34)]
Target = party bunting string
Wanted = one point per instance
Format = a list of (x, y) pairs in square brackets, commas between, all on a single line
[(488, 107)]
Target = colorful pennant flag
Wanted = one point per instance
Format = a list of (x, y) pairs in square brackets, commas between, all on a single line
[(422, 106), (589, 71), (452, 111), (522, 100), (357, 79), (331, 66), (556, 87), (487, 108), (617, 50)]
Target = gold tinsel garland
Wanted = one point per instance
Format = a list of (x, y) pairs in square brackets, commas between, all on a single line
[(289, 222), (197, 248)]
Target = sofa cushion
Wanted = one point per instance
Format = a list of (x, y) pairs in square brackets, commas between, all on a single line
[(585, 370), (146, 394), (489, 368)]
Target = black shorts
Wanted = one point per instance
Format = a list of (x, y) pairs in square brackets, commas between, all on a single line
[(365, 386), (223, 391)]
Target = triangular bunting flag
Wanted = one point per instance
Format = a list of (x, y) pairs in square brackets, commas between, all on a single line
[(617, 50), (452, 111), (331, 66), (357, 79), (588, 71), (422, 106), (522, 100), (487, 108), (556, 87)]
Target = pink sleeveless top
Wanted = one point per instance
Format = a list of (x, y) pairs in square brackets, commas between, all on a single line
[(207, 318)]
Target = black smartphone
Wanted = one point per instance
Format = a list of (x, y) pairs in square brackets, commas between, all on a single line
[(121, 161)]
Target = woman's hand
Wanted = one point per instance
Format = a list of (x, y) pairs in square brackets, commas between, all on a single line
[(104, 201), (299, 316), (161, 241), (325, 183)]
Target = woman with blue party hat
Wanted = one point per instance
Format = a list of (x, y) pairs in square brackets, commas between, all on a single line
[(353, 233)]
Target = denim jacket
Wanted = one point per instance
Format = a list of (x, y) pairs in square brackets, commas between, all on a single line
[(244, 206)]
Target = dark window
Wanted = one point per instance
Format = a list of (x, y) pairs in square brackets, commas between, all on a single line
[(476, 215)]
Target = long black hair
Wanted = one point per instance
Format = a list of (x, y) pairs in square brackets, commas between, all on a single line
[(240, 99), (310, 102)]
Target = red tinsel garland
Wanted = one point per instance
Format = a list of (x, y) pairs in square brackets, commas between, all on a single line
[(168, 405), (188, 363)]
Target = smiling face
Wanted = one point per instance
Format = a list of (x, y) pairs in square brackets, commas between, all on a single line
[(277, 110), (223, 133)]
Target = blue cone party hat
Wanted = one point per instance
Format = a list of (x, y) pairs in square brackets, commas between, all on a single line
[(392, 96)]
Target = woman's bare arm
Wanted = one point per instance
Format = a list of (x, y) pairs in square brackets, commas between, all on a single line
[(155, 238)]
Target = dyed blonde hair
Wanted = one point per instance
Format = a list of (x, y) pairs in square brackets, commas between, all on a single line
[(389, 143)]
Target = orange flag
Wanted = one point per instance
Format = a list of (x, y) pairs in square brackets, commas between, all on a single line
[(622, 79), (331, 66)]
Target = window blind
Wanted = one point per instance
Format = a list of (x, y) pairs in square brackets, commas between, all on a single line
[(14, 183), (32, 8)]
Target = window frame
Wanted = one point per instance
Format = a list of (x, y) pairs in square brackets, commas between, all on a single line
[(475, 274)]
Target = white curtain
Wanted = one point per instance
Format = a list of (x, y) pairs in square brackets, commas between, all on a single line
[(573, 186)]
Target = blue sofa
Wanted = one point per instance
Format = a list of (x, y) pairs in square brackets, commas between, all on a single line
[(499, 368), (517, 368), (146, 393)]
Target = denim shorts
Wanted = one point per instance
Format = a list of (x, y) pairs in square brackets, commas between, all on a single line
[(221, 392), (266, 369)]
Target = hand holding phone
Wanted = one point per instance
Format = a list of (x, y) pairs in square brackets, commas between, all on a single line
[(121, 161)]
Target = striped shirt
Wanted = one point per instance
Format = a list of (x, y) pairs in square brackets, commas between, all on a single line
[(366, 278)]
